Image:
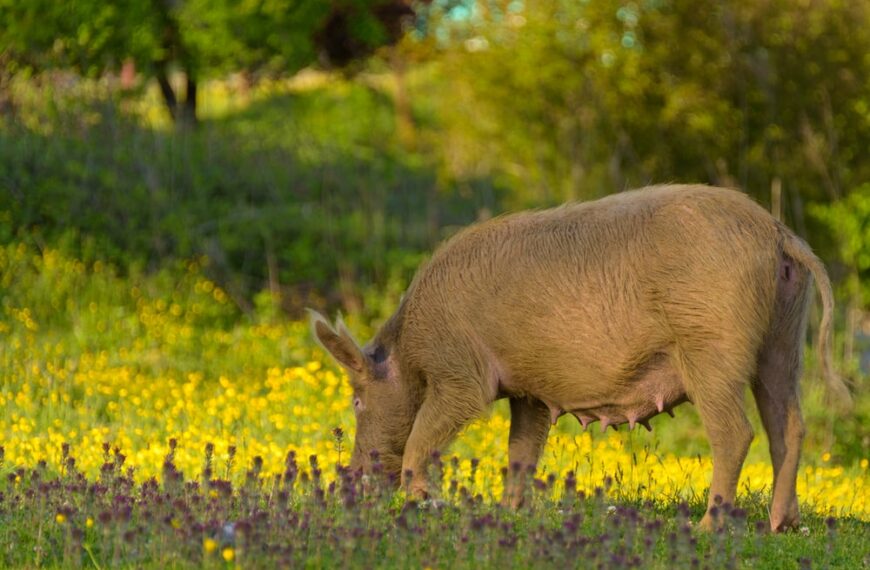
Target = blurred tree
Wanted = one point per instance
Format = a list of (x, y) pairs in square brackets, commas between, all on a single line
[(569, 99), (201, 38)]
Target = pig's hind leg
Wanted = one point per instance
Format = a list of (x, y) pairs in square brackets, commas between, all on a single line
[(778, 403), (530, 424), (719, 396), (776, 392)]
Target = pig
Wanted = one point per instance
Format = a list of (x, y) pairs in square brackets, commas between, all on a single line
[(613, 311)]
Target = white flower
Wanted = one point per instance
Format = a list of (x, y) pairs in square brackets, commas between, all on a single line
[(229, 531)]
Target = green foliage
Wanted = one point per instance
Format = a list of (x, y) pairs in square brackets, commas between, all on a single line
[(202, 38), (86, 36), (568, 99), (849, 221), (213, 37)]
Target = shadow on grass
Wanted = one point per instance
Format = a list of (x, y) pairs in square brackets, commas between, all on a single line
[(305, 191)]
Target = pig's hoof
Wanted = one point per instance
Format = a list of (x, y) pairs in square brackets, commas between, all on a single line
[(433, 504), (513, 499), (785, 525), (782, 520), (707, 524), (418, 491)]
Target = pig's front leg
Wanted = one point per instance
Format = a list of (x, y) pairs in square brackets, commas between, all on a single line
[(530, 424), (442, 415)]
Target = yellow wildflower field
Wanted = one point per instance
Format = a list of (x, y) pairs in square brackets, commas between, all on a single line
[(134, 363)]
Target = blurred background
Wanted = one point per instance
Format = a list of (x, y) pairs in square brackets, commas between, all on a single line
[(311, 153)]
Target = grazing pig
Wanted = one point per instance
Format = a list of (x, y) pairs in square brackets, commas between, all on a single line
[(613, 311)]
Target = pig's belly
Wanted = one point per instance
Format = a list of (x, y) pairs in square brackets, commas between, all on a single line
[(655, 388)]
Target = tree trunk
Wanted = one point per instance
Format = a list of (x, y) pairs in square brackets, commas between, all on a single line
[(853, 313), (183, 113), (7, 104), (187, 117), (168, 93), (402, 106)]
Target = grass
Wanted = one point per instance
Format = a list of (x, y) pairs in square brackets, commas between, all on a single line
[(298, 519), (136, 374)]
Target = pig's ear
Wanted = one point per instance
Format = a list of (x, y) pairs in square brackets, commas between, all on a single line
[(340, 344)]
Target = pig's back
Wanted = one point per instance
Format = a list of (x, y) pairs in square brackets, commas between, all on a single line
[(644, 230)]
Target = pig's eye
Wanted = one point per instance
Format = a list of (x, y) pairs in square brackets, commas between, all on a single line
[(357, 404), (379, 354)]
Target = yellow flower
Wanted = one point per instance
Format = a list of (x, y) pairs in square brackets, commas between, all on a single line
[(60, 518), (210, 545), (228, 553), (864, 463), (89, 522), (826, 457)]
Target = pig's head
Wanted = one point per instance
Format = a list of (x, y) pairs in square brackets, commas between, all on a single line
[(382, 406)]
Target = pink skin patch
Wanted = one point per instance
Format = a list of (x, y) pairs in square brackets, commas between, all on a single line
[(555, 412)]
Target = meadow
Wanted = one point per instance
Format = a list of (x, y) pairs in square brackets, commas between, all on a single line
[(146, 421), (162, 403)]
